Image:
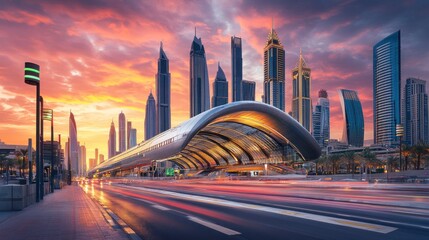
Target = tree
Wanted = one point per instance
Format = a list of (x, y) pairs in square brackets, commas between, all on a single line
[(370, 159), (392, 162), (349, 157), (406, 152), (21, 156), (334, 159), (419, 150)]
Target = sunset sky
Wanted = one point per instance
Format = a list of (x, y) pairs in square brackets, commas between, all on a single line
[(99, 58)]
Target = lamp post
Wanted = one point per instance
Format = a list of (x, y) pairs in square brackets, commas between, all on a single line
[(400, 134), (41, 163), (32, 77), (48, 115)]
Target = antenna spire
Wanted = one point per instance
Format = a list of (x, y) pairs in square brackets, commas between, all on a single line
[(195, 31), (272, 23)]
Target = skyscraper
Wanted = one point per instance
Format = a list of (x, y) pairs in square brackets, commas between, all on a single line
[(112, 140), (82, 162), (274, 71), (73, 145), (236, 68), (133, 137), (163, 110), (129, 126), (150, 118), (415, 112), (248, 88), (301, 101), (122, 136), (353, 131), (321, 127), (387, 85), (220, 88), (199, 80)]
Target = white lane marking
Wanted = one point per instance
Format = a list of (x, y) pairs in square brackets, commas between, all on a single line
[(213, 226), (325, 219), (160, 207)]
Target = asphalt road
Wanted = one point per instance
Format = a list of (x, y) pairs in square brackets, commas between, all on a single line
[(259, 210)]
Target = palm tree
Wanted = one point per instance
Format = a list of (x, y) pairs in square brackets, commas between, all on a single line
[(392, 162), (419, 150), (369, 158), (21, 156), (406, 152), (349, 157), (334, 159)]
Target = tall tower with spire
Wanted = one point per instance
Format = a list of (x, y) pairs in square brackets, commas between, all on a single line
[(163, 86), (122, 132), (274, 71), (198, 78), (236, 69), (112, 140), (150, 118), (220, 88), (301, 86)]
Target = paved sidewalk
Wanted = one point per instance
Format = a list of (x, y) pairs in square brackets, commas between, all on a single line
[(67, 214)]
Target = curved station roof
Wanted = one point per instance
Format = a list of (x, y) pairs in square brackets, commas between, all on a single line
[(244, 132)]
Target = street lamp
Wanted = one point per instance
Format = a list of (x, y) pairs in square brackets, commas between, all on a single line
[(400, 134), (41, 163), (32, 77), (48, 115)]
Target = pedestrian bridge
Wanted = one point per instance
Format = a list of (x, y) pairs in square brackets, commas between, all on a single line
[(244, 132)]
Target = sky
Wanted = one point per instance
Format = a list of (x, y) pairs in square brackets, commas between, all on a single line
[(99, 58)]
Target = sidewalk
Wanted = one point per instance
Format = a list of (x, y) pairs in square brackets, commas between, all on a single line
[(66, 214)]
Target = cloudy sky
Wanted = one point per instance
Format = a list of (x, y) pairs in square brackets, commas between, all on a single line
[(99, 58)]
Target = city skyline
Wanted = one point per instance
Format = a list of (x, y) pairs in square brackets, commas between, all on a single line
[(68, 81)]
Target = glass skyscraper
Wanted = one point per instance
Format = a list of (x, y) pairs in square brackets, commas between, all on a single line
[(112, 140), (415, 112), (301, 101), (163, 86), (387, 85), (133, 137), (248, 90), (274, 72), (150, 118), (353, 130), (199, 80), (321, 117), (122, 131), (73, 152), (236, 68), (220, 88)]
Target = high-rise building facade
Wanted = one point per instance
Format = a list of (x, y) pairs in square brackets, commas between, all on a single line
[(129, 126), (274, 71), (220, 88), (133, 137), (301, 88), (199, 80), (249, 88), (150, 118), (321, 117), (163, 86), (387, 85), (415, 112), (73, 146), (112, 141), (236, 68), (82, 161), (122, 131), (353, 125)]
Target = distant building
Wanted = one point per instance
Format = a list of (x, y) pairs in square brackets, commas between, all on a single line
[(133, 137), (220, 88), (274, 71), (353, 130), (74, 146), (112, 141), (321, 117), (129, 126), (163, 86), (301, 100), (82, 160), (199, 80), (122, 136), (96, 156), (249, 88), (415, 112), (100, 158), (387, 85), (150, 118), (236, 69)]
